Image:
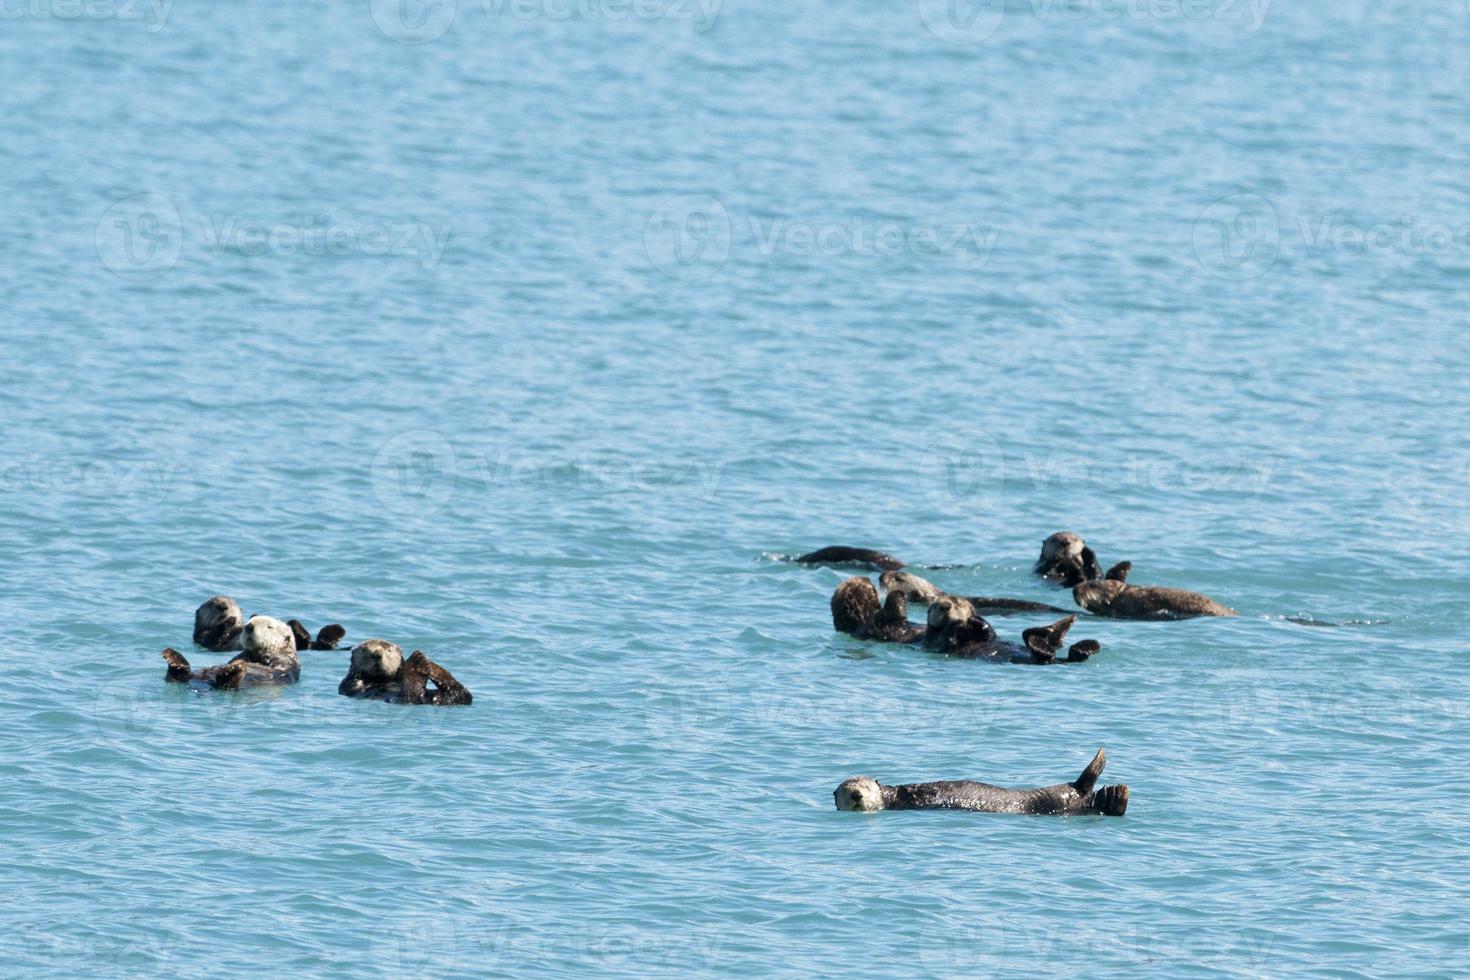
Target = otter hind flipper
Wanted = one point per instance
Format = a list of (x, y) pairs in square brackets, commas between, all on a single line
[(229, 676), (1081, 650), (1119, 572), (1045, 641), (1111, 800), (178, 668), (1083, 784), (328, 637), (299, 634)]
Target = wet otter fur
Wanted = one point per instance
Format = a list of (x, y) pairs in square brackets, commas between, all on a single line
[(379, 672), (327, 637), (955, 629), (866, 795), (218, 624), (268, 657), (1114, 597), (844, 556), (856, 611), (924, 593), (1066, 560)]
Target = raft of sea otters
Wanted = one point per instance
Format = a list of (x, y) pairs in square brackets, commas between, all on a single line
[(956, 626), (269, 653)]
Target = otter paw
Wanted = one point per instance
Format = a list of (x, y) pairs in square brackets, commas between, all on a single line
[(1081, 650), (228, 677)]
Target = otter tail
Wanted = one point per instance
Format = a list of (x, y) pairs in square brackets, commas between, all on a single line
[(1111, 800), (1083, 784)]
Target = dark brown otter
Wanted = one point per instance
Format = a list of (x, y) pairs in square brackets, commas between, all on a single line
[(855, 610), (864, 794), (841, 555), (379, 672), (922, 592), (218, 624), (955, 629)]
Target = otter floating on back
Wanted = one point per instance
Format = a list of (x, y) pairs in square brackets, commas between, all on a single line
[(379, 672), (268, 657), (924, 593), (1116, 598), (867, 795), (957, 630)]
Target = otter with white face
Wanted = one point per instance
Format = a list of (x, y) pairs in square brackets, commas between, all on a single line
[(862, 794), (268, 657), (379, 672)]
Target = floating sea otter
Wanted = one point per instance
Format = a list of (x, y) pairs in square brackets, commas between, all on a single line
[(1116, 598), (864, 794), (379, 672), (839, 555), (855, 610), (218, 623), (269, 657), (1066, 560), (956, 629), (924, 593)]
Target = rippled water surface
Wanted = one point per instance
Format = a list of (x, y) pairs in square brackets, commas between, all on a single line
[(533, 335)]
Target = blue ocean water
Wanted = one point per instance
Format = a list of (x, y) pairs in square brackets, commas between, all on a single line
[(532, 334)]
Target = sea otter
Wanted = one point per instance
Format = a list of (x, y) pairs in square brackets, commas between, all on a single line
[(855, 610), (956, 629), (327, 637), (867, 795), (924, 593), (1066, 560), (268, 657), (1116, 598), (218, 623), (839, 555), (379, 672)]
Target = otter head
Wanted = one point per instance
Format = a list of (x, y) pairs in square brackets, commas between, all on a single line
[(948, 612), (269, 641), (1098, 596), (915, 588), (860, 794), (217, 624), (854, 604), (377, 661), (1060, 547)]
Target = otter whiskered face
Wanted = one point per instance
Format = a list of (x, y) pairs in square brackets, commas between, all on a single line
[(860, 794), (1058, 547), (269, 637), (949, 611), (377, 661)]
